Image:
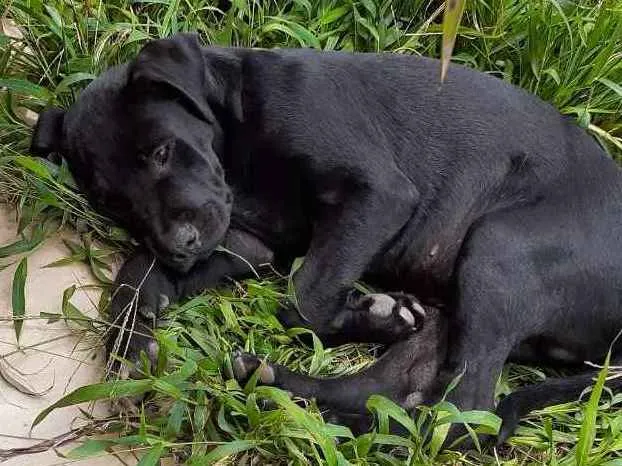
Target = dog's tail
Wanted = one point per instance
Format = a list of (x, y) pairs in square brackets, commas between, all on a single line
[(550, 392)]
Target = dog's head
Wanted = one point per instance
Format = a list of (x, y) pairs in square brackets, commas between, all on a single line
[(142, 142)]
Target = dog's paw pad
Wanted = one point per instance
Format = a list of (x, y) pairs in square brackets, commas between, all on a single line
[(244, 365), (380, 305), (163, 302), (406, 316), (379, 317), (404, 310), (413, 400), (410, 310)]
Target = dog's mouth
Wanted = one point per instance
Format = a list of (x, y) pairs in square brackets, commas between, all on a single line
[(183, 244), (180, 262)]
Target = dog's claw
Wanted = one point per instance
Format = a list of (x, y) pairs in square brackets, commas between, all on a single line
[(163, 302), (148, 313)]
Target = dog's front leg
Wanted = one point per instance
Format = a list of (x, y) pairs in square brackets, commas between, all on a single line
[(144, 288), (347, 236)]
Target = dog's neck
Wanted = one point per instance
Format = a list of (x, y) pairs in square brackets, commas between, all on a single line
[(223, 78)]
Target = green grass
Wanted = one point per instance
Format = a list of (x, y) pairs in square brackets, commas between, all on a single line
[(568, 52)]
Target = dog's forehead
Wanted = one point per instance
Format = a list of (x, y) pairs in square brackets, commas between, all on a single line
[(96, 138), (98, 115), (109, 115)]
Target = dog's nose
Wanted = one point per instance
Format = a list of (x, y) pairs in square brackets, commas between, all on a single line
[(187, 237)]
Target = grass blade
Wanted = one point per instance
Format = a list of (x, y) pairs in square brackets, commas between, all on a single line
[(617, 88), (89, 448), (451, 20), (22, 245), (381, 404), (67, 82), (223, 451), (587, 434), (21, 86), (114, 389), (483, 418), (305, 420), (18, 297), (153, 457)]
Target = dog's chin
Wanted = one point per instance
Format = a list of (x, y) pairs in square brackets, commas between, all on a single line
[(179, 266), (176, 264), (184, 265)]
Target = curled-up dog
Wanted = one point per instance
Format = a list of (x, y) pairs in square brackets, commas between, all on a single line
[(474, 195)]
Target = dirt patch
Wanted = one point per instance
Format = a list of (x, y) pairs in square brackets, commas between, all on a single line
[(54, 360)]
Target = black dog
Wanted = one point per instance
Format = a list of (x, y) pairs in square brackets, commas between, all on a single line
[(475, 196)]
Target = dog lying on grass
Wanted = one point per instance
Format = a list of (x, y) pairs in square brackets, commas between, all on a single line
[(475, 197)]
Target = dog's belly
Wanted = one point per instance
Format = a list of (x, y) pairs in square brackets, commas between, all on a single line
[(421, 269), (548, 351)]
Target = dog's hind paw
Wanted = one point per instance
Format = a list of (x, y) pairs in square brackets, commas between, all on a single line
[(245, 365), (508, 410), (380, 318)]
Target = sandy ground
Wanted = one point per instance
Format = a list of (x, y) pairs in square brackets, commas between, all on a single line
[(56, 366)]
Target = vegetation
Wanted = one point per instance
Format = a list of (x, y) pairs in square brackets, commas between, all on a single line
[(568, 52)]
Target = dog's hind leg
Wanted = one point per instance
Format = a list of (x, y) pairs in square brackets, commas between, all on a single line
[(552, 391), (520, 278), (404, 374), (491, 311)]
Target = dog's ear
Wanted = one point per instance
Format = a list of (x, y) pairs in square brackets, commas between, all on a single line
[(48, 132), (179, 63), (175, 62)]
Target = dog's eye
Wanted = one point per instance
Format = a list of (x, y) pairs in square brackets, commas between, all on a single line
[(158, 157), (161, 155)]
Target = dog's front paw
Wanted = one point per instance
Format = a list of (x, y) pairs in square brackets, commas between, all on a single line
[(509, 410), (131, 334), (142, 292), (380, 318), (132, 366)]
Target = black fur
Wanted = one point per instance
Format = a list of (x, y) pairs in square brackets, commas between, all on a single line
[(475, 196)]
